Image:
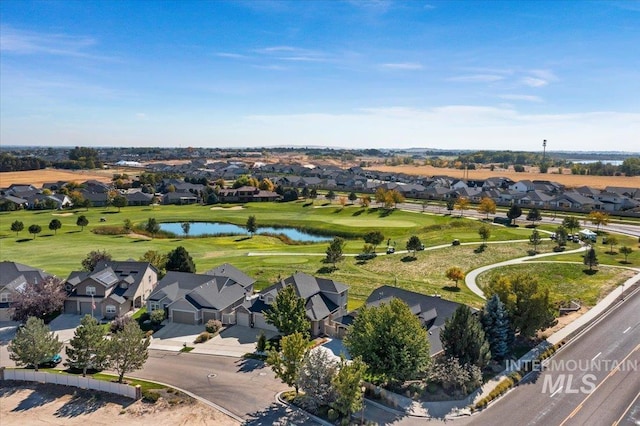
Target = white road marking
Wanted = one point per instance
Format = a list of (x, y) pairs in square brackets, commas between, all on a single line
[(628, 328), (593, 359), (552, 395)]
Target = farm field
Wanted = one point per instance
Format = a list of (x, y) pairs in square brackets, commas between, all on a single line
[(268, 258), (38, 177), (599, 182)]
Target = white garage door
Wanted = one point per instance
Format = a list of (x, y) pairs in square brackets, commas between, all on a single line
[(242, 318), (259, 322)]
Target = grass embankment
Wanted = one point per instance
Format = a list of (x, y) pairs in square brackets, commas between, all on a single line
[(60, 253), (605, 256), (566, 281)]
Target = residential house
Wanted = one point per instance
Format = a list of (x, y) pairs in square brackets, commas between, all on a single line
[(112, 289), (246, 194), (523, 186), (197, 298), (13, 279), (431, 310), (325, 302)]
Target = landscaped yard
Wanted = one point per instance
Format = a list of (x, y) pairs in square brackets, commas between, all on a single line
[(566, 281), (61, 253)]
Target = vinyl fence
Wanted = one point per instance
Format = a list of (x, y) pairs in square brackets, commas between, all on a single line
[(133, 392)]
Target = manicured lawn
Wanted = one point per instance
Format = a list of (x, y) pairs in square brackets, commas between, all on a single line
[(62, 253), (604, 255), (567, 281)]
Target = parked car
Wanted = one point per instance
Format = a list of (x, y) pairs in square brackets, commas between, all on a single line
[(391, 250), (50, 362)]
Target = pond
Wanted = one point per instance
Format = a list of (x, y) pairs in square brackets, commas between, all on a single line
[(218, 228)]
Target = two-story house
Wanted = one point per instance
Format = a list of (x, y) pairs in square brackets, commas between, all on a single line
[(13, 278), (112, 289)]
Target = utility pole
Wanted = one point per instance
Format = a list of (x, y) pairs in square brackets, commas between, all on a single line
[(544, 150)]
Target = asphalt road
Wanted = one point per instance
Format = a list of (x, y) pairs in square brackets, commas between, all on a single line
[(581, 386), (247, 388)]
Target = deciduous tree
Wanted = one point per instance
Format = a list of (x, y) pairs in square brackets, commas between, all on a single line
[(33, 344), (128, 350), (571, 223), (186, 227), (462, 204), (39, 299), (157, 259), (487, 206), (35, 230), (347, 384), (626, 251), (17, 227), (119, 201), (463, 338), (374, 238), (95, 257), (152, 226), (485, 233), (598, 218), (288, 313), (391, 341), (455, 274), (54, 225), (82, 222), (287, 362), (612, 241), (315, 377), (534, 216)]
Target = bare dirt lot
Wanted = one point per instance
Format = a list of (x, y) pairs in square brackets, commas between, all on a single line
[(566, 179), (36, 404)]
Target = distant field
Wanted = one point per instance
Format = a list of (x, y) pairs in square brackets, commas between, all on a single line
[(38, 177), (599, 182)]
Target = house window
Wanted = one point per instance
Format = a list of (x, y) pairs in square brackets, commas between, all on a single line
[(5, 297), (110, 309), (91, 290), (154, 306)]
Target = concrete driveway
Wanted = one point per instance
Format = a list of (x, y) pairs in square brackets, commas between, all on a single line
[(65, 325), (233, 341)]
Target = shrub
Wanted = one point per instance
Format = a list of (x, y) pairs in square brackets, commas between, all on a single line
[(202, 337), (157, 316), (118, 323), (144, 317), (150, 396), (213, 326), (261, 345), (148, 333), (332, 415)]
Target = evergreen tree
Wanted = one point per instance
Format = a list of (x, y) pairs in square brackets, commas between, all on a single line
[(514, 212), (88, 347), (33, 344), (128, 350), (535, 240), (462, 337), (287, 362), (534, 215), (288, 313), (334, 251), (591, 259), (186, 227), (497, 328), (252, 226), (180, 260)]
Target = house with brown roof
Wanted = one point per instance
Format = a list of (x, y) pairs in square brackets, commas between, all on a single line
[(13, 278)]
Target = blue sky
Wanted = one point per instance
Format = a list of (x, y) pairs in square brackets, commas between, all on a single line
[(368, 74)]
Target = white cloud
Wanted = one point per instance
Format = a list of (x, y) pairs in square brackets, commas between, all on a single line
[(477, 78), (527, 98), (407, 66), (534, 82), (230, 55)]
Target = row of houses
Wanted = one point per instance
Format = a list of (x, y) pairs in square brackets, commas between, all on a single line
[(224, 293)]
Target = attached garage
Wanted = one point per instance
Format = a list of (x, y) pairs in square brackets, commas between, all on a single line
[(71, 307), (209, 315), (243, 318), (5, 314), (85, 308), (183, 317), (260, 322), (229, 318)]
